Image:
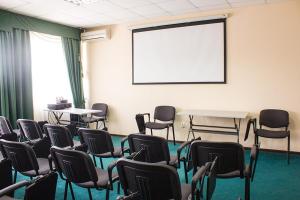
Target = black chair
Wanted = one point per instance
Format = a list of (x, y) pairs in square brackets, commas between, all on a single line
[(157, 150), (24, 159), (154, 181), (77, 167), (99, 144), (166, 116), (43, 187), (231, 160), (274, 120), (31, 131), (6, 130), (61, 136), (6, 175), (97, 117)]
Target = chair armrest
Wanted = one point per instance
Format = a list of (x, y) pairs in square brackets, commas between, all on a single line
[(123, 140), (132, 196), (250, 122), (110, 168), (13, 187), (148, 114), (253, 160), (179, 150), (199, 177)]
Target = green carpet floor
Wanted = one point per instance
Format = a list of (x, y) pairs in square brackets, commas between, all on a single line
[(274, 180)]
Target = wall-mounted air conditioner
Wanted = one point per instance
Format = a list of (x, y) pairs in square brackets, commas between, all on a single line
[(103, 34)]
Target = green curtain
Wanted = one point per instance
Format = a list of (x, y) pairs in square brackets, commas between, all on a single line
[(72, 55), (15, 75), (23, 75)]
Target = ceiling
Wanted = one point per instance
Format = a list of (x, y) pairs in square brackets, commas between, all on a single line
[(104, 12)]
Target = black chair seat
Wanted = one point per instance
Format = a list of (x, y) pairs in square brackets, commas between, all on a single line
[(173, 161), (272, 134), (116, 153), (44, 168), (103, 180), (155, 125), (186, 191), (92, 119)]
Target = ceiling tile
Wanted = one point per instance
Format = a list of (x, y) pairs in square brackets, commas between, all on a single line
[(149, 10), (176, 6), (130, 3), (238, 3), (9, 4), (206, 3)]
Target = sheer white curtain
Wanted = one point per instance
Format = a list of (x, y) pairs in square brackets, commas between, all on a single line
[(50, 77)]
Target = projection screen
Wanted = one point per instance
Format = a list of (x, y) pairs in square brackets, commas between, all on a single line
[(193, 52)]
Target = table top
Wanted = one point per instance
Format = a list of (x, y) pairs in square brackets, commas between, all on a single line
[(215, 113), (76, 111)]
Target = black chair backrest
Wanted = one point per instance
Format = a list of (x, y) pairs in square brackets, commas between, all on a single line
[(30, 129), (42, 188), (97, 141), (21, 155), (76, 166), (156, 148), (100, 106), (230, 156), (165, 113), (140, 121), (60, 136), (5, 126), (273, 118), (5, 174), (149, 180)]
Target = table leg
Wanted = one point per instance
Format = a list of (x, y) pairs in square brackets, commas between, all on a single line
[(191, 117), (237, 127)]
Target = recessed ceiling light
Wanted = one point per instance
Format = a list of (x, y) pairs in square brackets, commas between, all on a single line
[(79, 2)]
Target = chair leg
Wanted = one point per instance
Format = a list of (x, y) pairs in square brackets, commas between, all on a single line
[(168, 134), (185, 172), (66, 190), (101, 162), (107, 194), (247, 188), (151, 132), (256, 139), (119, 186), (288, 152), (90, 193), (72, 192), (97, 125), (104, 124), (94, 159), (15, 176), (173, 134)]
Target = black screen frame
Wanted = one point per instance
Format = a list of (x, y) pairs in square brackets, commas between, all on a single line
[(194, 23)]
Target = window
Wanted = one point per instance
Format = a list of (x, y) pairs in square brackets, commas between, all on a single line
[(50, 77)]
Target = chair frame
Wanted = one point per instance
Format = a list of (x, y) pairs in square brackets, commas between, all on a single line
[(246, 172), (88, 163), (253, 122), (171, 125)]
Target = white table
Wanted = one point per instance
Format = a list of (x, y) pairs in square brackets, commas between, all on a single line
[(236, 116), (76, 111)]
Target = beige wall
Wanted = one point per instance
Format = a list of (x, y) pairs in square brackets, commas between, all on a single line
[(263, 72)]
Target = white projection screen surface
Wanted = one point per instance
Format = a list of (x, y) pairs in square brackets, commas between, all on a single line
[(193, 52)]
